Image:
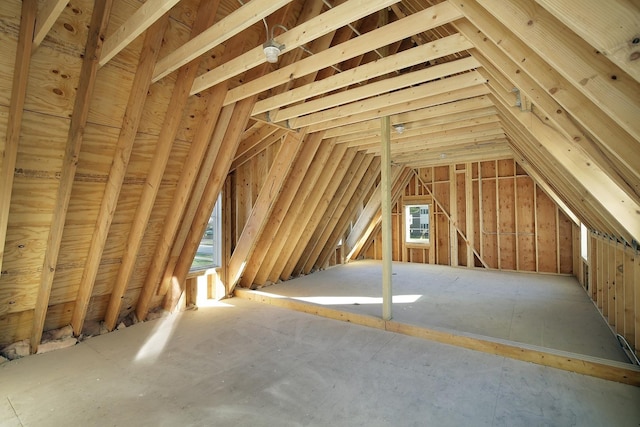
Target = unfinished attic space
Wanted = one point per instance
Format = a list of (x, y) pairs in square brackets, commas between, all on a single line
[(430, 197)]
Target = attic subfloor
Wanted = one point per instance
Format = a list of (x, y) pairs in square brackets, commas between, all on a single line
[(544, 310), (242, 363)]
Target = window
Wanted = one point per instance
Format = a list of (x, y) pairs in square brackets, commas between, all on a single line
[(417, 223), (584, 235), (208, 254)]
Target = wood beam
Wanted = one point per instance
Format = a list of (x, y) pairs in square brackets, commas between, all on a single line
[(89, 70), (371, 90), (387, 247), (49, 12), (407, 58), (16, 108), (259, 146), (339, 16), (498, 151), (311, 148), (263, 206), (591, 73), (198, 151), (454, 99), (611, 27), (124, 146), (305, 199), (178, 101), (315, 207), (143, 18), (608, 145), (402, 97), (339, 220), (232, 24)]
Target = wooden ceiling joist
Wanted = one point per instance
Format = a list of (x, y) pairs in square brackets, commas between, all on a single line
[(385, 86), (401, 97), (218, 33), (137, 24), (399, 104), (405, 59), (498, 150), (48, 13), (339, 16)]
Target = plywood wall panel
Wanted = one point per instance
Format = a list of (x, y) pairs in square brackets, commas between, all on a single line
[(32, 202), (42, 142), (18, 292), (15, 327), (98, 148), (9, 27), (547, 249), (85, 202), (565, 245)]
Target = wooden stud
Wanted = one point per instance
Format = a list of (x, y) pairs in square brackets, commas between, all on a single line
[(387, 254)]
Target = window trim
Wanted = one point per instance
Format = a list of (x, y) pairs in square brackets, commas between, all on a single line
[(408, 202)]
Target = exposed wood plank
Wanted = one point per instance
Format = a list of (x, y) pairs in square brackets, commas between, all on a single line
[(18, 95), (624, 169), (124, 146), (335, 18), (316, 205), (178, 101), (289, 232), (338, 223), (263, 207), (609, 26), (97, 27), (173, 219), (387, 251), (49, 12), (456, 100), (249, 152), (218, 33), (281, 207), (371, 90), (401, 97), (592, 74), (407, 58), (143, 18)]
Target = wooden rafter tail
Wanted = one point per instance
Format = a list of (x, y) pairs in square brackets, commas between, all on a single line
[(97, 27)]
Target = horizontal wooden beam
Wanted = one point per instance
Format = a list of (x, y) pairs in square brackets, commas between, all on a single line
[(49, 12), (377, 88), (218, 33), (339, 16), (137, 24), (404, 59)]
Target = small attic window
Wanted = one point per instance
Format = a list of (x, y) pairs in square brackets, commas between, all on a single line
[(209, 251), (417, 223)]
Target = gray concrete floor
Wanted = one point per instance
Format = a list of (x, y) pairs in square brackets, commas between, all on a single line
[(242, 363), (549, 311)]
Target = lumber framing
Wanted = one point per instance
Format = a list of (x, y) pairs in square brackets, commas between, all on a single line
[(339, 16), (179, 96), (18, 95), (99, 21), (138, 23), (47, 16), (124, 146)]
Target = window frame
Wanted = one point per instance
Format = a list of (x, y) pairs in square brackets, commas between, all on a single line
[(214, 226), (407, 203)]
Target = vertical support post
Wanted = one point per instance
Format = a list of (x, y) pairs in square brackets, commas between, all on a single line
[(386, 218)]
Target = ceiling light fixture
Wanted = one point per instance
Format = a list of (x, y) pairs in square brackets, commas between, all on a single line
[(271, 47)]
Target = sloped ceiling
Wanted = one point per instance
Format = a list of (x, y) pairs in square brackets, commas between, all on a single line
[(122, 120)]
